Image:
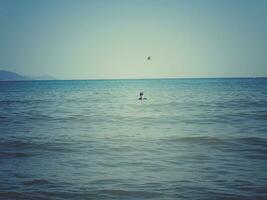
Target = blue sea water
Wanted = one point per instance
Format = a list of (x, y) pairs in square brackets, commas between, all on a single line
[(200, 139)]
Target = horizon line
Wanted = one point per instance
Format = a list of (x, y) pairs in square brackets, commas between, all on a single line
[(156, 78)]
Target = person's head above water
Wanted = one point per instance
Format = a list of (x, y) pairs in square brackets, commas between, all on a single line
[(142, 96)]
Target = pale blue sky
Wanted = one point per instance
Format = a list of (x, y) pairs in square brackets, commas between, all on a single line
[(112, 38)]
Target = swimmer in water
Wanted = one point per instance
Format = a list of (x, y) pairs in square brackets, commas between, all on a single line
[(141, 94)]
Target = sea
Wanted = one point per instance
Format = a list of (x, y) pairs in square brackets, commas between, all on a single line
[(192, 139)]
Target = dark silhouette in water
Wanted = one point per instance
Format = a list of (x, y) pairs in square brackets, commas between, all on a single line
[(141, 94), (148, 58)]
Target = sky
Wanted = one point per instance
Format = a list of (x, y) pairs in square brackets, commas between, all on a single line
[(101, 39)]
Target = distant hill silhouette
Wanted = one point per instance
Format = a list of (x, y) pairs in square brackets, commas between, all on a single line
[(11, 76)]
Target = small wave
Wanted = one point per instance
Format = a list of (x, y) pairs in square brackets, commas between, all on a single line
[(6, 102), (11, 195), (19, 145), (14, 143), (26, 101), (254, 141), (250, 147), (262, 190), (4, 155), (129, 193), (36, 182), (257, 141), (3, 119), (199, 140)]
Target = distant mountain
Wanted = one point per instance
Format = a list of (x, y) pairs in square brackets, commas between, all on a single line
[(11, 76)]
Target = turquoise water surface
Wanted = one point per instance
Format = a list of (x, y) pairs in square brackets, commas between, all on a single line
[(200, 139)]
